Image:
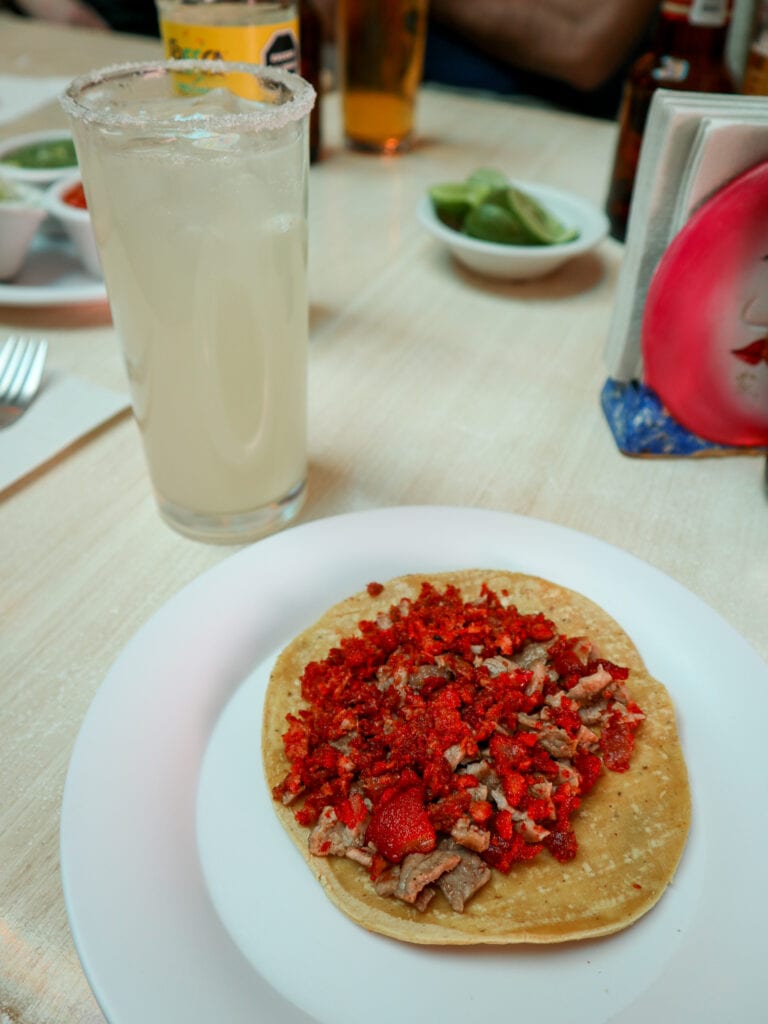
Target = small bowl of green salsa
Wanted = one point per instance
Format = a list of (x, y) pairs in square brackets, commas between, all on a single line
[(38, 158)]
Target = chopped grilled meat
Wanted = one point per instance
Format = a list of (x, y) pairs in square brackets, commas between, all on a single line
[(530, 654), (471, 836), (420, 675), (619, 692), (592, 714), (462, 882), (386, 883), (418, 870), (591, 686), (625, 715), (583, 649), (586, 738), (497, 795), (483, 772), (541, 789), (529, 829), (557, 742), (331, 837), (499, 664), (344, 743), (453, 755), (425, 897), (288, 797), (567, 773), (456, 664), (364, 857), (539, 675)]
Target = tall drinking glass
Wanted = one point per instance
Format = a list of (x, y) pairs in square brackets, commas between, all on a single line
[(381, 61), (198, 197)]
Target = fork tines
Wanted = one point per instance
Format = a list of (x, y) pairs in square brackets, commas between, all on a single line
[(21, 370)]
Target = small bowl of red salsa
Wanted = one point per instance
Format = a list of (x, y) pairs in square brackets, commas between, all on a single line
[(75, 196), (66, 202)]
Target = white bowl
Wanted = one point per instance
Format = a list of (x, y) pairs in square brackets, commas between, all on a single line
[(20, 217), (523, 262), (76, 222), (30, 175)]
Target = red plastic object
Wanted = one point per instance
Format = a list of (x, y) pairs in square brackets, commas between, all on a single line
[(706, 315)]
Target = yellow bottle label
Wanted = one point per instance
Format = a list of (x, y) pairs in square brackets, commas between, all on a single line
[(276, 45)]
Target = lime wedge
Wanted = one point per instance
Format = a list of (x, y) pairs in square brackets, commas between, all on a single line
[(452, 202), (541, 226), (489, 178), (498, 197), (491, 223)]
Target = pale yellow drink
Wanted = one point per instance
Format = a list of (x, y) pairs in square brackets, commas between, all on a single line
[(201, 229)]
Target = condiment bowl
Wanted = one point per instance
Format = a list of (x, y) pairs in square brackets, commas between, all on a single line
[(21, 212), (75, 220), (37, 176), (523, 262)]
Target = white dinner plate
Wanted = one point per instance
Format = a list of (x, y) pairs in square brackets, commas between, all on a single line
[(187, 902), (52, 275)]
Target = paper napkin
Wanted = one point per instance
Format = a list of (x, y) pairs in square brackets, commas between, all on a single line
[(21, 94), (66, 409)]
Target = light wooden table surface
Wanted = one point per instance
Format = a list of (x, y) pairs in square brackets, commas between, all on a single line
[(427, 386)]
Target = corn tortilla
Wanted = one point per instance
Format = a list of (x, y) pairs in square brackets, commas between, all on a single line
[(631, 828)]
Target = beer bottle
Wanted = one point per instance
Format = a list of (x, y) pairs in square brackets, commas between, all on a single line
[(311, 53), (687, 53), (755, 81)]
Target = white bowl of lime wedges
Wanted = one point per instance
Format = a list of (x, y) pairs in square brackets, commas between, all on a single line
[(508, 229)]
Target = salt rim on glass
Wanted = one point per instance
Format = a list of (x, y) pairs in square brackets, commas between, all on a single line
[(260, 116)]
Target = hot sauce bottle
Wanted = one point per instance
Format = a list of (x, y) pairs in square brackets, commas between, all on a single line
[(687, 53)]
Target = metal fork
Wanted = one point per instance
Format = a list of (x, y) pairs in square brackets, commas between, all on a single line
[(21, 370)]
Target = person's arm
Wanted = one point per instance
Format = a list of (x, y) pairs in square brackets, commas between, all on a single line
[(580, 42), (64, 12)]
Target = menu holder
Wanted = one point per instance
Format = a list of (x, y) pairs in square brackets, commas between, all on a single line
[(687, 347)]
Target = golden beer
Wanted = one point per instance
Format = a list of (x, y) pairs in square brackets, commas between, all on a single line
[(381, 51)]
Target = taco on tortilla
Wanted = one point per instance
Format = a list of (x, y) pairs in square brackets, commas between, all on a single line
[(477, 757)]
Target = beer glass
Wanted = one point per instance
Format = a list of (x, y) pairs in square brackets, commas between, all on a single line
[(198, 199), (381, 60)]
